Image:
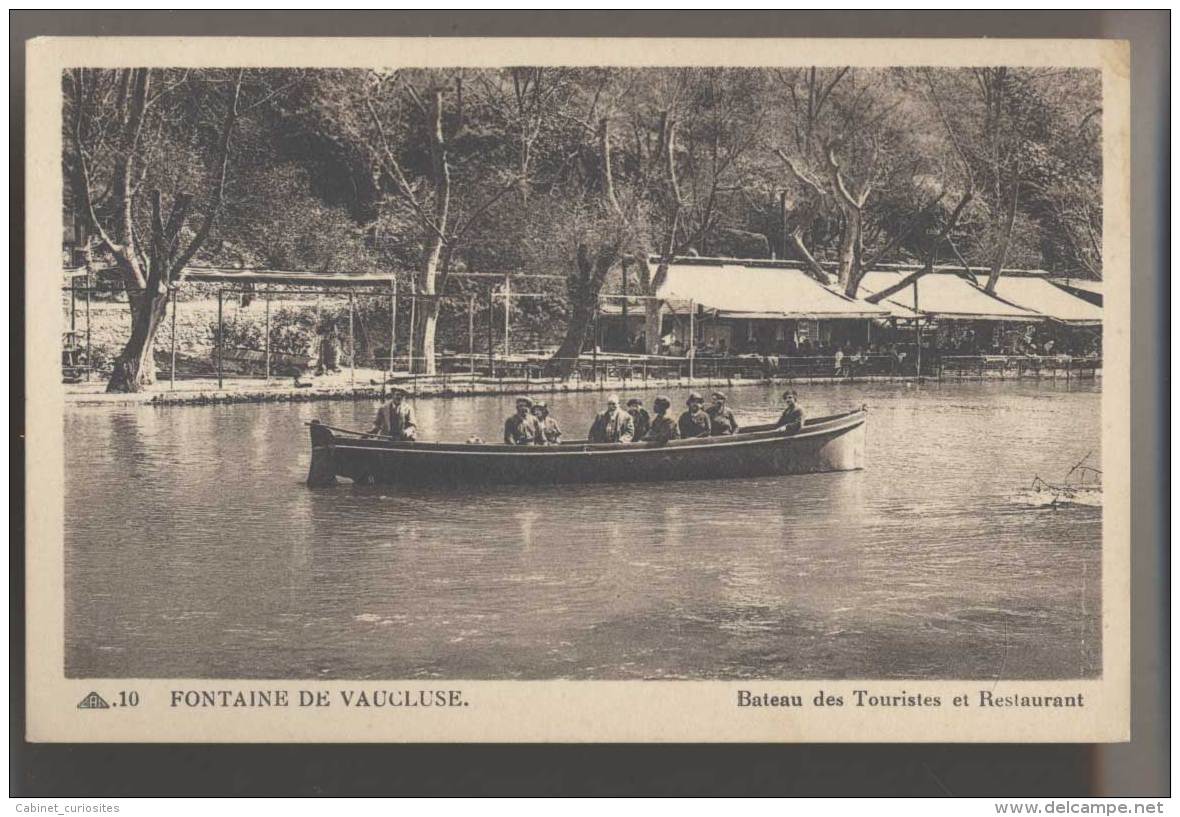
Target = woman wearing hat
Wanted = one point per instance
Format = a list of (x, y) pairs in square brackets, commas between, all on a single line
[(641, 418), (663, 427), (695, 422), (395, 419), (550, 431), (523, 428), (721, 418)]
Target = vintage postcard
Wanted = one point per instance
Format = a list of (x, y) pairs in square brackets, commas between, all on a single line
[(507, 390)]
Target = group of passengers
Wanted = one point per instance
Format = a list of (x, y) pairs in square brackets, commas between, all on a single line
[(532, 424)]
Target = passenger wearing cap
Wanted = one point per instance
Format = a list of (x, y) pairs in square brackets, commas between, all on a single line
[(721, 418), (792, 418), (395, 419), (550, 432), (640, 416), (663, 427), (695, 422), (613, 425), (522, 428)]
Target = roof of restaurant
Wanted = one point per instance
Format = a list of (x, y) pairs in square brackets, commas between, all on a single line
[(945, 295), (1049, 300), (1085, 288), (741, 290)]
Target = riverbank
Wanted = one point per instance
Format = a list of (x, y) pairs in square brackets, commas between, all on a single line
[(371, 384)]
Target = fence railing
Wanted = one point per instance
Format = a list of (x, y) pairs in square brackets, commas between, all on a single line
[(463, 371)]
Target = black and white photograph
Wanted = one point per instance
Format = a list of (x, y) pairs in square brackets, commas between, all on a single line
[(592, 372)]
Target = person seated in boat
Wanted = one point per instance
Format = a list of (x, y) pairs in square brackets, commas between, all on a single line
[(613, 425), (395, 419), (792, 417), (695, 422), (640, 416), (721, 419), (522, 428), (663, 427), (549, 428)]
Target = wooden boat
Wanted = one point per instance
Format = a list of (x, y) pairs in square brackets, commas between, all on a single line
[(834, 443)]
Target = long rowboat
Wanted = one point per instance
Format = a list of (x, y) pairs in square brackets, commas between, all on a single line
[(834, 443)]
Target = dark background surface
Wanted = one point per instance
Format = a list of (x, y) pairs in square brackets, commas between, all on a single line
[(1139, 768)]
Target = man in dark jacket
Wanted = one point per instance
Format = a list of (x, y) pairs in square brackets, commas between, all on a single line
[(720, 417), (613, 425), (663, 427), (695, 422), (395, 419), (640, 416), (792, 417), (523, 428)]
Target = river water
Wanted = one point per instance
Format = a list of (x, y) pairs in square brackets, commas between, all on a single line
[(194, 550)]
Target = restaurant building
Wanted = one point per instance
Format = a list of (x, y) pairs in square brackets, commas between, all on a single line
[(742, 306)]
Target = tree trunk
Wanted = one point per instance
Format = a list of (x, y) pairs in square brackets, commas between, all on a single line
[(650, 282), (848, 241), (651, 325), (813, 267), (135, 368), (1001, 255), (426, 320), (425, 324), (566, 358)]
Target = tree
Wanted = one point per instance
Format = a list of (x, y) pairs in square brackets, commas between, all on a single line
[(939, 226), (595, 228), (706, 124), (476, 152), (852, 141), (119, 123)]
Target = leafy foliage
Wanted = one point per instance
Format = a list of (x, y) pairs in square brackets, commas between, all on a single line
[(579, 171)]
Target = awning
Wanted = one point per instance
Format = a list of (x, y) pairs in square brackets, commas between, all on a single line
[(946, 296), (1083, 284), (740, 291), (1039, 295), (1090, 291)]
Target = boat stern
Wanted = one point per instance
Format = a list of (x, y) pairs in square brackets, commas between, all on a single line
[(846, 452), (323, 456)]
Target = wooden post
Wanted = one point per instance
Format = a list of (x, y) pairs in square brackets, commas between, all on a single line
[(471, 335), (172, 370), (918, 330), (351, 345), (413, 323), (392, 325), (626, 328), (491, 333), (89, 362), (507, 312), (73, 306), (692, 339), (220, 338), (594, 340), (266, 297)]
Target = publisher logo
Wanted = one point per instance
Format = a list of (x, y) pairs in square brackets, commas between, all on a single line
[(93, 701)]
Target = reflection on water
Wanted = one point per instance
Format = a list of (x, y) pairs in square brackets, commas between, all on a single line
[(194, 550)]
